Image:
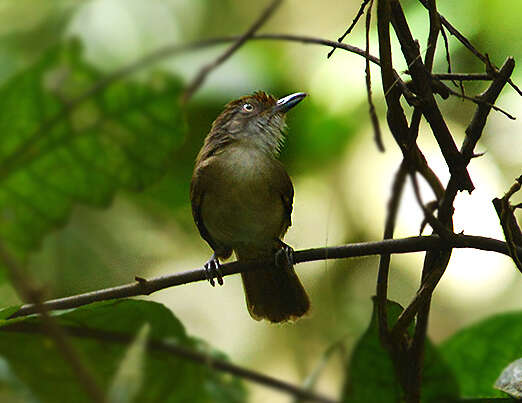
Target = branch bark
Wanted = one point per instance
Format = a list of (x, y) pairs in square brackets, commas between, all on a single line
[(146, 287)]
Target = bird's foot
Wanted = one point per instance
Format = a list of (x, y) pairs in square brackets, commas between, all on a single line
[(213, 270), (284, 257)]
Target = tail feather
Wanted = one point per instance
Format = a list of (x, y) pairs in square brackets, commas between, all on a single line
[(275, 294)]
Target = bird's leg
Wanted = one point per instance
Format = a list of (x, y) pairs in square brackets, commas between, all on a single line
[(284, 257), (212, 269)]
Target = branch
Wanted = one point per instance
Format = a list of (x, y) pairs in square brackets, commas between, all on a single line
[(462, 39), (474, 131), (204, 72), (462, 76), (373, 115), (385, 259), (359, 15), (170, 347), (429, 107), (146, 287)]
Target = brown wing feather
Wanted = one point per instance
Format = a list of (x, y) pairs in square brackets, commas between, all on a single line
[(285, 188), (197, 186)]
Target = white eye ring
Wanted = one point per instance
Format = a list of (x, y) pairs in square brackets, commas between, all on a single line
[(248, 107)]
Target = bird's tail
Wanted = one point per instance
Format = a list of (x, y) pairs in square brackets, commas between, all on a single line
[(273, 293)]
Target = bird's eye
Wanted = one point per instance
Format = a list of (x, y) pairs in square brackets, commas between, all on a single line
[(248, 107)]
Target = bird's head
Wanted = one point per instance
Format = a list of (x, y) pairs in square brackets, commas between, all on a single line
[(258, 119)]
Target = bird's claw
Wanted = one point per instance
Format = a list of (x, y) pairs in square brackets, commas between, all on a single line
[(212, 270), (284, 257)]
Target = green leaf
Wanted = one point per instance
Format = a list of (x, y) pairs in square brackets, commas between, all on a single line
[(371, 375), (479, 353), (101, 333), (56, 151), (129, 377)]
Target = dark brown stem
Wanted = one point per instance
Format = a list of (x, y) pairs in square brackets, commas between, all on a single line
[(384, 262), (462, 76), (373, 115), (146, 287), (474, 131), (429, 107)]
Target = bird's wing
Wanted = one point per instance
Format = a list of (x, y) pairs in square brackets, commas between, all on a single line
[(197, 186), (286, 190)]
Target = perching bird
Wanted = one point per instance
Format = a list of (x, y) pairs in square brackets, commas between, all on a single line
[(242, 201)]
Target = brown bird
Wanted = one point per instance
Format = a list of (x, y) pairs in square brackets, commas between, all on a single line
[(242, 201)]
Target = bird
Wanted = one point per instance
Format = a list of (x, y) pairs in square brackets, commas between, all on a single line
[(242, 199)]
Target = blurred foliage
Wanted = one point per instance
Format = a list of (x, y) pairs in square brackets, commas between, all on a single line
[(59, 156), (98, 333), (372, 374), (57, 151), (478, 354)]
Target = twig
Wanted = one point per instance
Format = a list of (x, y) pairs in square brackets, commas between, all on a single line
[(373, 114), (433, 35), (24, 286), (463, 76), (510, 227), (429, 106), (352, 25), (474, 131), (478, 101), (146, 287), (204, 72), (166, 346), (462, 39), (384, 262)]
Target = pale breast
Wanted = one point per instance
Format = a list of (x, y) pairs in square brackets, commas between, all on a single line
[(241, 206)]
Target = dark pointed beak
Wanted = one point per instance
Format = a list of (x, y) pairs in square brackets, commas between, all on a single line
[(283, 105)]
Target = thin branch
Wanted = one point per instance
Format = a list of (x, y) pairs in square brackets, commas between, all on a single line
[(474, 131), (429, 106), (205, 71), (373, 115), (478, 101), (433, 35), (27, 291), (510, 227), (385, 259), (462, 76), (462, 39), (146, 287), (352, 25), (169, 347)]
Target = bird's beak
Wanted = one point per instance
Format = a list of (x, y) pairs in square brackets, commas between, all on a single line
[(283, 105)]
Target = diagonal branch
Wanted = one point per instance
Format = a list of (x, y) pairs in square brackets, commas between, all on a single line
[(146, 287), (430, 110), (462, 39), (204, 72), (352, 25)]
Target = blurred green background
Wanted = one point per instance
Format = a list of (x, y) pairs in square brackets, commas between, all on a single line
[(342, 182)]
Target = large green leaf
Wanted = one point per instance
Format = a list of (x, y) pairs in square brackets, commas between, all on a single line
[(479, 353), (56, 151), (371, 375), (101, 333)]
